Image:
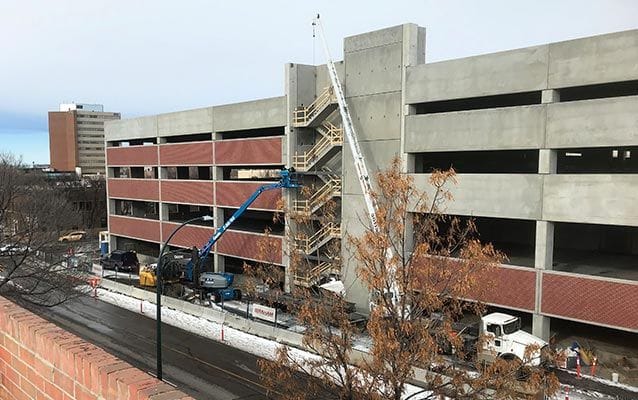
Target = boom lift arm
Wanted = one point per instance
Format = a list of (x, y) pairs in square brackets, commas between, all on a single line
[(286, 181), (359, 160)]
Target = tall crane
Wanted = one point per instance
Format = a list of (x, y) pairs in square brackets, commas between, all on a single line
[(359, 160)]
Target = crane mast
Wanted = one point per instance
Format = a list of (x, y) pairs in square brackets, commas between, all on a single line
[(359, 160)]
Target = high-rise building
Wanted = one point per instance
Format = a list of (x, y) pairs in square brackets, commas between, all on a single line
[(76, 137)]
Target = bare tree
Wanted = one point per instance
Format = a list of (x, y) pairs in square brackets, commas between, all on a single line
[(32, 216), (436, 264)]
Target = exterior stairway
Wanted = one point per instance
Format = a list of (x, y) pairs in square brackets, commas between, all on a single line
[(310, 244), (331, 141), (317, 112), (330, 189), (312, 276)]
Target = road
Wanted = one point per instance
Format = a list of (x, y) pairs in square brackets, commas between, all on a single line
[(200, 367)]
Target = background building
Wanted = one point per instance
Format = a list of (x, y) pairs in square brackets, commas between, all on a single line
[(76, 137), (544, 140)]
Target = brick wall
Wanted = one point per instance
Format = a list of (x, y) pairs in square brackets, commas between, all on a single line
[(40, 361)]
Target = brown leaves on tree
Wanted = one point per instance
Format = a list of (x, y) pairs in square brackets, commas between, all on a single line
[(437, 264)]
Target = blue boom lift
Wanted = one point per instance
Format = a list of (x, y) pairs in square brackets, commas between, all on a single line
[(218, 284)]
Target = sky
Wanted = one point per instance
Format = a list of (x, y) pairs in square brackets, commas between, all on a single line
[(149, 57)]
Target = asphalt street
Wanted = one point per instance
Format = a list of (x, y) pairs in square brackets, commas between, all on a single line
[(200, 367)]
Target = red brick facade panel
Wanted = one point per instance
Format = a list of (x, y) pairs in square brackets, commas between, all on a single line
[(233, 194), (192, 192), (131, 156), (251, 245), (200, 153), (513, 287), (188, 236), (137, 228), (62, 140), (41, 361), (249, 151), (591, 299), (136, 189)]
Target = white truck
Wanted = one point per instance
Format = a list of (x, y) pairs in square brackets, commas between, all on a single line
[(501, 337)]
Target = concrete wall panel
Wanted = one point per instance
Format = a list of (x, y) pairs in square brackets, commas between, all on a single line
[(135, 189), (188, 236), (381, 37), (256, 114), (266, 151), (137, 228), (590, 299), (376, 117), (378, 155), (375, 70), (197, 153), (253, 246), (494, 129), (598, 59), (512, 71), (233, 194), (593, 123), (131, 156), (199, 120), (491, 195), (323, 78), (133, 128), (596, 199), (189, 192)]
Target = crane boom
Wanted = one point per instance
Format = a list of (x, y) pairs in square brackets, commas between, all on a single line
[(348, 126), (359, 160), (286, 181)]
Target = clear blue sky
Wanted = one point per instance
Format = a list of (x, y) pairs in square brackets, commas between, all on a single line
[(148, 57)]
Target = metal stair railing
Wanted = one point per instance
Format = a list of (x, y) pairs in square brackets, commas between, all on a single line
[(320, 197), (327, 232), (303, 115), (310, 277), (332, 138)]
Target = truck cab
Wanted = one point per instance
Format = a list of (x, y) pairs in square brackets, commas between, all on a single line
[(503, 338)]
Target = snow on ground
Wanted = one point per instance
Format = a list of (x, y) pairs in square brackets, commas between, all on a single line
[(256, 345)]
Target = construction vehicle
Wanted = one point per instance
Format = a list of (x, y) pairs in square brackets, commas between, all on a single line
[(216, 285), (497, 335)]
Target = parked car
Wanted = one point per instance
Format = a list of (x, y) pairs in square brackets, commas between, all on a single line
[(72, 236), (121, 260), (13, 249)]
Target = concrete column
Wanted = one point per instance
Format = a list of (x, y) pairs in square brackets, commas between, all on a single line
[(544, 255), (547, 161), (544, 252), (550, 96), (218, 260), (540, 326)]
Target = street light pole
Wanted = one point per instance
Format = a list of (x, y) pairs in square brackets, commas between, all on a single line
[(158, 289)]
